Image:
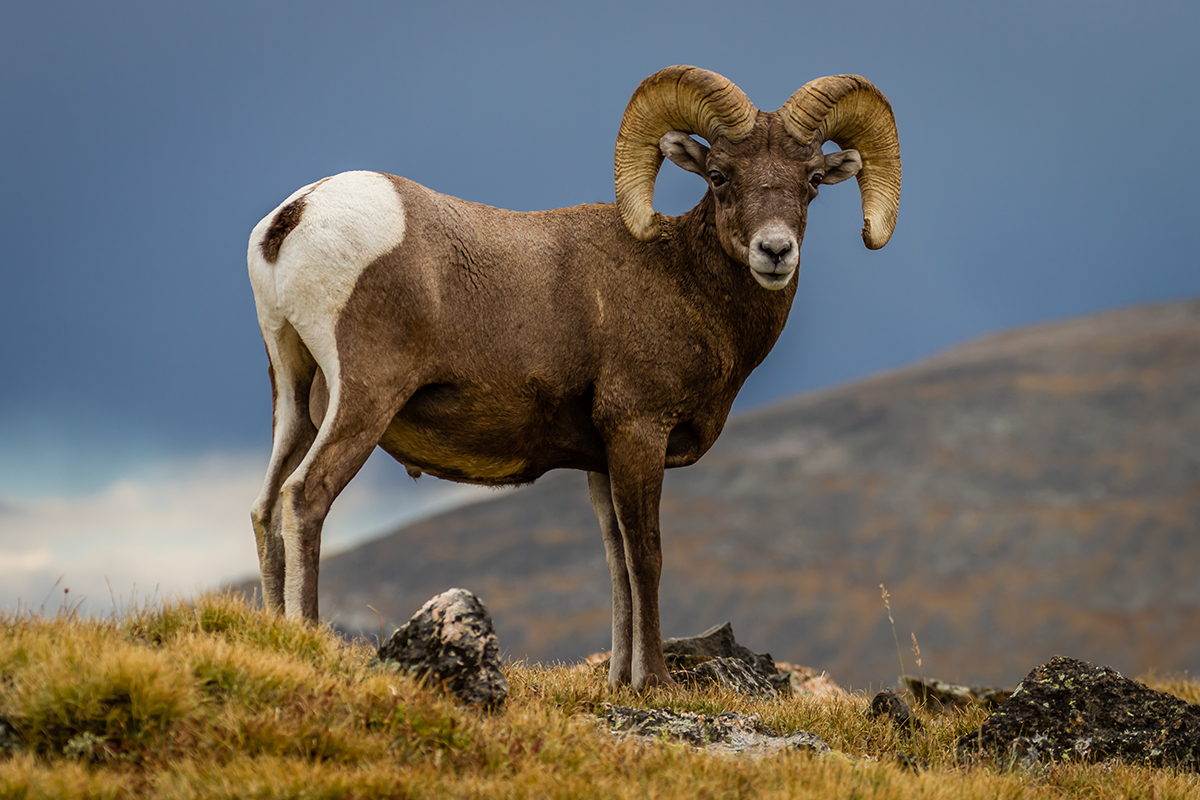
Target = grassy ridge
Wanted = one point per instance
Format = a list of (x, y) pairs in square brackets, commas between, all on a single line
[(216, 699)]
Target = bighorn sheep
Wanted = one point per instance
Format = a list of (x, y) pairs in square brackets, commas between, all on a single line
[(490, 346)]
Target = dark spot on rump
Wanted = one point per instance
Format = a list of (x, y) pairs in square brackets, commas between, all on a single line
[(285, 222)]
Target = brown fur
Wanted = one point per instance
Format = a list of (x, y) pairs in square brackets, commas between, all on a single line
[(285, 222)]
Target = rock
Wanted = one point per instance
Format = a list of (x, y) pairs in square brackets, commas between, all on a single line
[(942, 696), (730, 673), (808, 682), (450, 643), (718, 643), (10, 740), (728, 734), (892, 706), (1069, 710)]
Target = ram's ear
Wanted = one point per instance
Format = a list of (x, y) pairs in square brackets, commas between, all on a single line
[(685, 151), (841, 166)]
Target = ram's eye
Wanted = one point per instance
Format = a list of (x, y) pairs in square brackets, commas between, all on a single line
[(716, 178), (816, 179)]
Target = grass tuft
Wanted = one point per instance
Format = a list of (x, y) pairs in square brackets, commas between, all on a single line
[(215, 698)]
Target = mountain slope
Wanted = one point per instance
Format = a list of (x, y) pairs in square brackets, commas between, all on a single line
[(1028, 494)]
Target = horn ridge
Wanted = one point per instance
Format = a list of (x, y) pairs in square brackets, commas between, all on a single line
[(681, 97), (849, 111)]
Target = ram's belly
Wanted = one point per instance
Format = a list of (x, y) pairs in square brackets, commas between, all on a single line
[(447, 455), (493, 437)]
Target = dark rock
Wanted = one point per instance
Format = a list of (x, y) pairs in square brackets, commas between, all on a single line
[(718, 643), (893, 707), (729, 733), (450, 643), (10, 740), (730, 673), (1069, 710), (942, 696)]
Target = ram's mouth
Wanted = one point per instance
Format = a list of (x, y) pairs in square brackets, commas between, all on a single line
[(771, 279)]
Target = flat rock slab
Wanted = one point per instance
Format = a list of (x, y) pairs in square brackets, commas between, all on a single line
[(1070, 710), (450, 643), (726, 734)]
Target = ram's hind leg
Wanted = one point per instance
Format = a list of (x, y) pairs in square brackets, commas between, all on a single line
[(291, 369), (353, 424)]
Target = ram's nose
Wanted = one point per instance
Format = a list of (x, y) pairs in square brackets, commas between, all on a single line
[(774, 254), (776, 247)]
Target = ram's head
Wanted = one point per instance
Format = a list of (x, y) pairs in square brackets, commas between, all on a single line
[(762, 168)]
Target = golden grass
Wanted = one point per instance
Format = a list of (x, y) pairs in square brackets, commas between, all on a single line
[(216, 699)]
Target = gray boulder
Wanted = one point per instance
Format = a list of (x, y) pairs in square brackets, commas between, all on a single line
[(1069, 710), (450, 643), (715, 657)]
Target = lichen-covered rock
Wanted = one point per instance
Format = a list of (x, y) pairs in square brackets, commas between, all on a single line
[(450, 643), (729, 663), (1070, 710), (729, 733)]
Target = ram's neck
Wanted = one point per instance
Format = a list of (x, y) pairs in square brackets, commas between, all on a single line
[(751, 316)]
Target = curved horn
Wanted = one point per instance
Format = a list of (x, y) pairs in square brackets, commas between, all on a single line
[(679, 98), (851, 112)]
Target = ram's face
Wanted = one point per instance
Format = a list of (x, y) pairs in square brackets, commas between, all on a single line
[(761, 188)]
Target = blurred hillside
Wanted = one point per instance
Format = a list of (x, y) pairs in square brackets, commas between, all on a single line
[(1028, 494)]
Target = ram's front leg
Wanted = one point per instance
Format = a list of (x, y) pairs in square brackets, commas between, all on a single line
[(620, 661), (636, 454)]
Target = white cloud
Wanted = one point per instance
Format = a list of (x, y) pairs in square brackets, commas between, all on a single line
[(178, 527)]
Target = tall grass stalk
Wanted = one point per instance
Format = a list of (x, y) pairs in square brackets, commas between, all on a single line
[(888, 607)]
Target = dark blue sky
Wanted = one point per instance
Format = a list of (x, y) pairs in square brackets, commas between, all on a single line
[(1049, 171)]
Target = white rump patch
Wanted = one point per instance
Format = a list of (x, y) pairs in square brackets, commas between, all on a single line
[(348, 222)]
